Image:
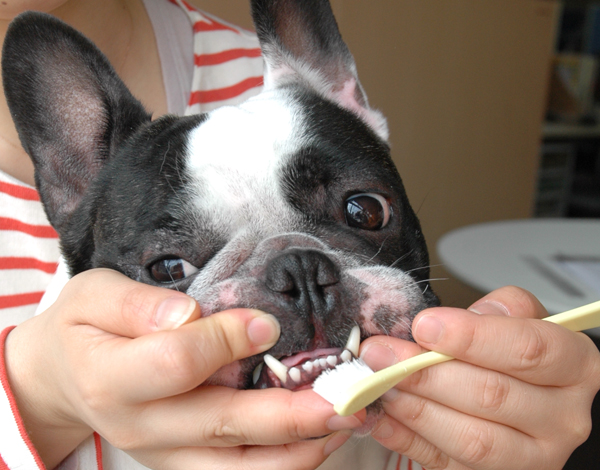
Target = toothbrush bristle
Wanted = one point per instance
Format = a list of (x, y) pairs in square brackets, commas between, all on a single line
[(333, 381)]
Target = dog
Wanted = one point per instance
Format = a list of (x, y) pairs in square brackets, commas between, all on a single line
[(303, 214)]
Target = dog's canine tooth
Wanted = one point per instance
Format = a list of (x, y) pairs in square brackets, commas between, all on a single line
[(308, 366), (346, 356), (295, 374), (354, 340), (332, 360), (277, 367), (256, 373)]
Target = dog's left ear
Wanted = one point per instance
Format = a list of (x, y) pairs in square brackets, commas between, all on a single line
[(300, 41), (69, 107)]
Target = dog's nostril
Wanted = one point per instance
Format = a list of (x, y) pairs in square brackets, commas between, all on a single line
[(327, 274), (303, 275), (280, 279)]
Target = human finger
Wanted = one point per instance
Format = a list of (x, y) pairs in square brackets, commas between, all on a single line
[(510, 301), (223, 417), (531, 350), (168, 363), (396, 436), (127, 308), (484, 393), (303, 455), (496, 397), (471, 397), (475, 443)]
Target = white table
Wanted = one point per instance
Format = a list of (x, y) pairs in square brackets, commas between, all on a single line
[(558, 260)]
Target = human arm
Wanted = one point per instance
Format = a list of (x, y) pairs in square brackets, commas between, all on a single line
[(99, 359), (518, 397)]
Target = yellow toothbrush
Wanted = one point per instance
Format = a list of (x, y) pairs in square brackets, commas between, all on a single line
[(351, 386)]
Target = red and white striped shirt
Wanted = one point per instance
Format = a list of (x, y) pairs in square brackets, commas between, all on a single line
[(227, 70)]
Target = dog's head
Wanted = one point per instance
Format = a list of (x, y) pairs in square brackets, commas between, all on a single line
[(288, 203)]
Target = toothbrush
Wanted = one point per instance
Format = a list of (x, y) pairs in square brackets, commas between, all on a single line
[(351, 386)]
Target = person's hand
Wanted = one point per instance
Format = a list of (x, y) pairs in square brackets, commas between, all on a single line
[(519, 397), (126, 360)]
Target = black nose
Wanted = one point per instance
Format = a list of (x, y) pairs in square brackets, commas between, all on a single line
[(302, 276)]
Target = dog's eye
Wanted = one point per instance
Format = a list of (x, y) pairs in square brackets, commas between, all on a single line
[(171, 269), (367, 211)]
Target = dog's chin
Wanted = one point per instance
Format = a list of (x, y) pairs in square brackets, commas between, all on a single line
[(374, 413)]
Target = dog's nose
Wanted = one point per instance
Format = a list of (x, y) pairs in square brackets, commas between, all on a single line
[(303, 276)]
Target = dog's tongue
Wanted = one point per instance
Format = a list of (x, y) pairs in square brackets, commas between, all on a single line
[(302, 369)]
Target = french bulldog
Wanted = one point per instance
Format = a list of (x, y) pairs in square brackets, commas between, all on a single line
[(288, 203)]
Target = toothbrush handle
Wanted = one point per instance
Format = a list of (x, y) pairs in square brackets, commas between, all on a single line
[(578, 319)]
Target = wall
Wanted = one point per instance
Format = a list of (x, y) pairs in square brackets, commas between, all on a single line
[(463, 85)]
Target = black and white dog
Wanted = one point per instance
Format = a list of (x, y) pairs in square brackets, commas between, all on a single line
[(288, 203)]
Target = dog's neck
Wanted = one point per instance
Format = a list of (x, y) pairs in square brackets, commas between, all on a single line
[(123, 32)]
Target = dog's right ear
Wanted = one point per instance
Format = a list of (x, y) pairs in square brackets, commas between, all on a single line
[(301, 42), (69, 107)]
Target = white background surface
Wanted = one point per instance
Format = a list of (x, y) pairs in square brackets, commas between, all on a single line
[(531, 254)]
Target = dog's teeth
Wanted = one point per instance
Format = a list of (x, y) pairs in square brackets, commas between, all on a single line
[(323, 362), (331, 360), (295, 374), (308, 366), (354, 340), (277, 367), (346, 356), (256, 373)]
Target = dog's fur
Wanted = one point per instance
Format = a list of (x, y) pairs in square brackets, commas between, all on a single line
[(252, 204)]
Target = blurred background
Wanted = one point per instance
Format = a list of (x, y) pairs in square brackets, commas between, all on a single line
[(493, 113)]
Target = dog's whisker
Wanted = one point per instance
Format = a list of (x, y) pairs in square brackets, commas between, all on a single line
[(173, 281), (405, 255), (164, 158), (423, 202), (424, 267), (433, 279), (177, 171), (380, 248)]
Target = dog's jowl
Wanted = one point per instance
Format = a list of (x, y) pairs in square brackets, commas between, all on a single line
[(288, 203)]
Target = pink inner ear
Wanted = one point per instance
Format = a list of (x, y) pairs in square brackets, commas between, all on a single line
[(351, 97), (274, 75)]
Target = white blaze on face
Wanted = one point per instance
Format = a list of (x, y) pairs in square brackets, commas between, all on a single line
[(234, 158)]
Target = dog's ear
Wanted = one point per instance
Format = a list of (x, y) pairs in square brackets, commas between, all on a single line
[(69, 107), (300, 40)]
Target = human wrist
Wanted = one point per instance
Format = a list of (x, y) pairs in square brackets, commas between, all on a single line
[(38, 405)]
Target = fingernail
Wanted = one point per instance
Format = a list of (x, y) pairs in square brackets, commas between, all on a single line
[(378, 356), (174, 312), (339, 423), (263, 330), (429, 329), (390, 396), (489, 307), (336, 441), (384, 431)]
